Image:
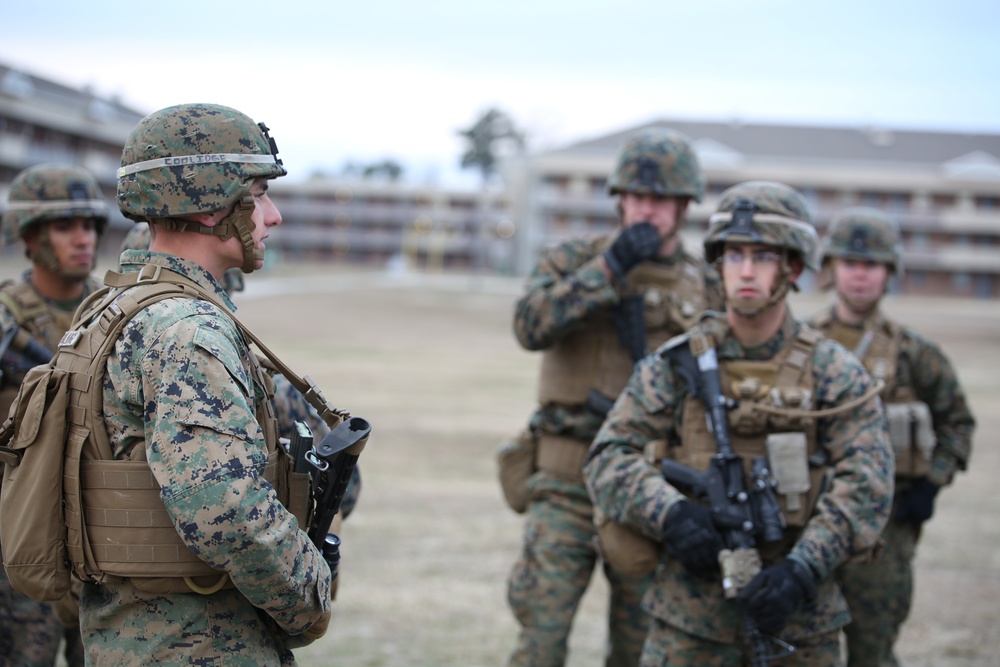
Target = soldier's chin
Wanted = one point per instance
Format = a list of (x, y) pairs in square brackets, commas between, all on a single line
[(748, 307), (859, 305), (76, 272)]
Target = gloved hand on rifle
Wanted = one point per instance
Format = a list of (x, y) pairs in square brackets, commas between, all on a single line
[(690, 536), (917, 504), (633, 244), (776, 593)]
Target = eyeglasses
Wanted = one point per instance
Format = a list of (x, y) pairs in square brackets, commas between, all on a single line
[(760, 257)]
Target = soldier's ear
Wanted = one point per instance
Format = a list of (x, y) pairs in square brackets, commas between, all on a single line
[(796, 266)]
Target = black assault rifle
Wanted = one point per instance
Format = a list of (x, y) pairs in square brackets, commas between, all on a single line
[(330, 464), (19, 352), (742, 515)]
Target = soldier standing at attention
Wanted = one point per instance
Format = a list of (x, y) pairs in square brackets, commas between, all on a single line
[(59, 213), (793, 400), (929, 422), (184, 393), (594, 307)]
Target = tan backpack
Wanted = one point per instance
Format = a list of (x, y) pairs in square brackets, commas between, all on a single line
[(54, 426)]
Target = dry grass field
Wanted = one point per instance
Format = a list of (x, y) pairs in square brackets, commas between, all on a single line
[(431, 362)]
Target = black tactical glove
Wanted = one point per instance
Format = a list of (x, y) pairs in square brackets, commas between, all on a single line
[(776, 593), (634, 244), (690, 536), (917, 504)]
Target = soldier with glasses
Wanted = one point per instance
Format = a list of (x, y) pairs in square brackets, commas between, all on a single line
[(728, 592)]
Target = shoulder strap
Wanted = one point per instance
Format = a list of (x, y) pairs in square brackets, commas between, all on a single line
[(151, 273)]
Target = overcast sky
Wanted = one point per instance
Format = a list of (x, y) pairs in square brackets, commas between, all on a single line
[(374, 79)]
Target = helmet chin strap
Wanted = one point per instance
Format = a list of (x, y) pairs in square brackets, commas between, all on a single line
[(236, 223)]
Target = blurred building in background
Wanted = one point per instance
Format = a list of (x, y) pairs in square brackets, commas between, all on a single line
[(943, 188), (43, 121)]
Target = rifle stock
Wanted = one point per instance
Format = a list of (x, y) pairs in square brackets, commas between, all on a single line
[(331, 463)]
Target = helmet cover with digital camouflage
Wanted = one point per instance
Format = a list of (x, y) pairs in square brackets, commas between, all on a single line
[(138, 238), (865, 234), (658, 161), (197, 158), (48, 192), (764, 213)]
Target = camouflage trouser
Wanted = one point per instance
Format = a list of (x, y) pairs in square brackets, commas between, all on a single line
[(550, 577), (29, 630), (667, 645), (879, 596)]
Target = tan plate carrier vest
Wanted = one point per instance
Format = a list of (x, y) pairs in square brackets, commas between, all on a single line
[(117, 525), (594, 359), (787, 441), (911, 427)]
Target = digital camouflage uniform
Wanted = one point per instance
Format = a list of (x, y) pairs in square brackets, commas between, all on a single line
[(30, 631), (694, 624), (290, 405), (179, 385), (879, 592), (571, 306)]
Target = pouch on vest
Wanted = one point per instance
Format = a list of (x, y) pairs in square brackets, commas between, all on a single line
[(516, 463), (624, 549), (32, 532), (911, 430)]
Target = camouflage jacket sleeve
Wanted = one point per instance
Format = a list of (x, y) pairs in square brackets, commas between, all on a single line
[(855, 506), (182, 363), (923, 366), (567, 285), (622, 484)]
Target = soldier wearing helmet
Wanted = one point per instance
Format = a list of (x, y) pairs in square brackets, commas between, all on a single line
[(807, 436), (183, 391), (593, 307), (930, 422), (59, 214)]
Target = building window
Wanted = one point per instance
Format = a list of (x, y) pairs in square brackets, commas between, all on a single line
[(960, 280), (988, 203)]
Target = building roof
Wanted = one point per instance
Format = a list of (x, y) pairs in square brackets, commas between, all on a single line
[(78, 111), (731, 142)]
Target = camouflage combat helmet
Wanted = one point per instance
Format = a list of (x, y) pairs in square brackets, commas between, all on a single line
[(197, 158), (766, 213), (763, 212), (658, 161), (52, 192), (865, 234), (138, 238)]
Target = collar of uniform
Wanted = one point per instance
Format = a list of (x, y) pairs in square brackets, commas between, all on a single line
[(733, 349), (876, 320), (133, 260)]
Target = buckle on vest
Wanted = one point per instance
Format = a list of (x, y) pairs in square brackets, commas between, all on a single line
[(70, 339), (149, 273)]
